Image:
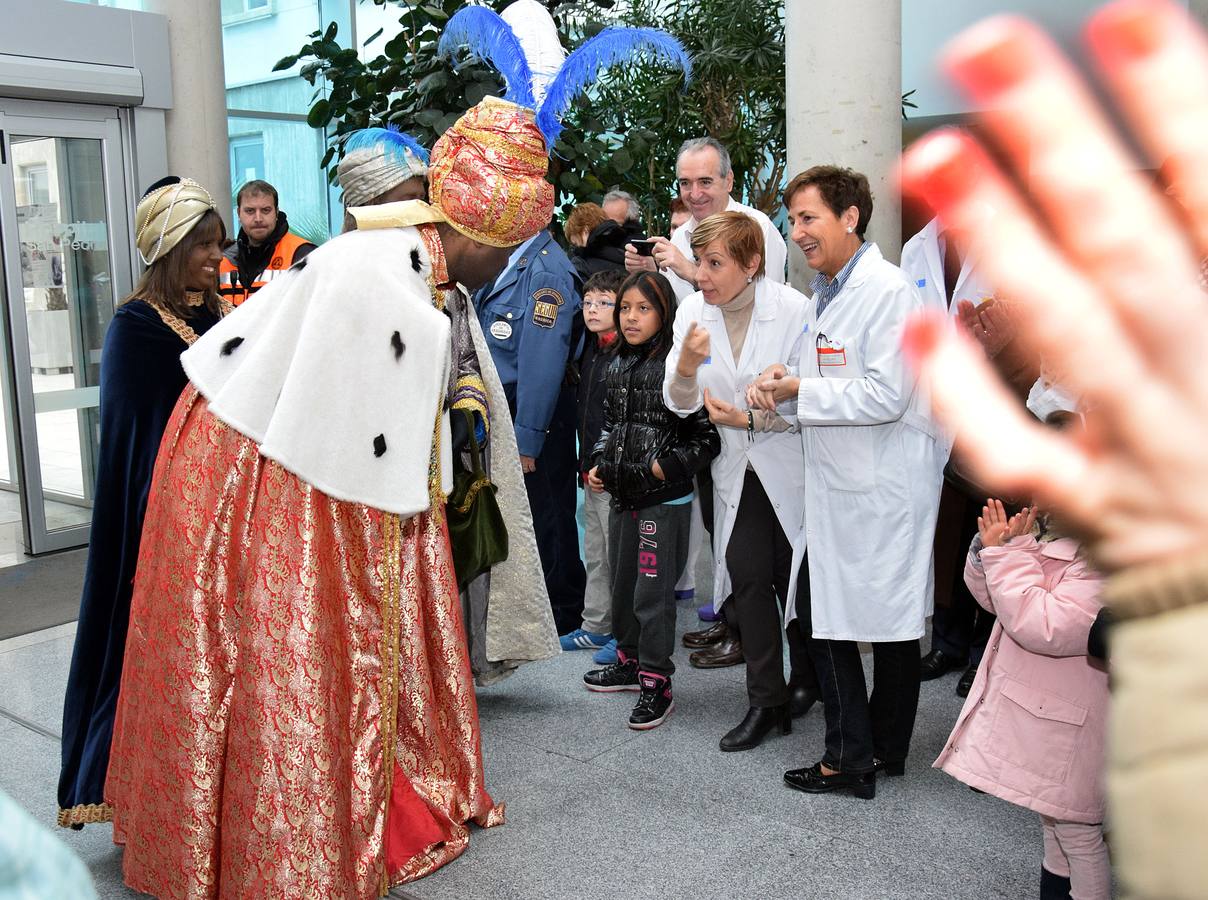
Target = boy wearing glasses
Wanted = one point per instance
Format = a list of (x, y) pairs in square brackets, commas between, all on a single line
[(599, 344)]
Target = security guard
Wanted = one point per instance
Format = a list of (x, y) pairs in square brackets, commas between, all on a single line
[(529, 317), (265, 247)]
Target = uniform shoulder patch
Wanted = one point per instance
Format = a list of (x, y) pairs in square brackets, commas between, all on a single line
[(546, 303)]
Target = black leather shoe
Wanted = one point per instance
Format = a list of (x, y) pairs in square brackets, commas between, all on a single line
[(881, 767), (801, 698), (966, 682), (812, 781), (719, 656), (937, 663), (707, 637), (759, 720)]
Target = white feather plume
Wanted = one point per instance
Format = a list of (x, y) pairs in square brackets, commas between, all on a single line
[(538, 35)]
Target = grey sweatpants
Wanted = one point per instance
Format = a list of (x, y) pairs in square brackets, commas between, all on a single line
[(647, 549), (597, 597)]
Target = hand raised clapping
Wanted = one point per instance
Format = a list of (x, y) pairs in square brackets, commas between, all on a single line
[(996, 529)]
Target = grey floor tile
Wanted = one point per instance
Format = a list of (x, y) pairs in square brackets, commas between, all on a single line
[(595, 809), (30, 777), (33, 678)]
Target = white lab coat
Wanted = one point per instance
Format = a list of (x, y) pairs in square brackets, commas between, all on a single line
[(776, 251), (873, 462), (924, 266), (776, 335)]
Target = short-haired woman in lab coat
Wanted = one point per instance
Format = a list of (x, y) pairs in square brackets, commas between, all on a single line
[(727, 333), (873, 468)]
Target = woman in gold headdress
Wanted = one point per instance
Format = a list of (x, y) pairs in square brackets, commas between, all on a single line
[(180, 237)]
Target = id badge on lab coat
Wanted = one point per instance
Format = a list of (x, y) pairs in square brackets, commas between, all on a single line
[(831, 354)]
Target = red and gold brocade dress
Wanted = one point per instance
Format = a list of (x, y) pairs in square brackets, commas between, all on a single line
[(297, 714)]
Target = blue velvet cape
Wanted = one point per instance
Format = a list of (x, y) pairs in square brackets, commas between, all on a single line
[(141, 380)]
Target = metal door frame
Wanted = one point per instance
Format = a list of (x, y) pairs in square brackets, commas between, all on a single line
[(54, 120)]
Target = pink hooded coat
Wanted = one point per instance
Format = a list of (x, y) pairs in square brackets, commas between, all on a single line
[(1032, 729)]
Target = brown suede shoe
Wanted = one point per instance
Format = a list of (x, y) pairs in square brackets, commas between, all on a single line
[(727, 653), (707, 637)]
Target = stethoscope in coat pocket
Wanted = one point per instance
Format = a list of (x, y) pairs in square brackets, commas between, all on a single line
[(830, 353)]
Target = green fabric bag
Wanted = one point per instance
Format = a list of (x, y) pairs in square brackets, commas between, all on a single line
[(476, 531)]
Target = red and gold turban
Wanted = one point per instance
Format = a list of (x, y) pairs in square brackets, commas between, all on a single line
[(487, 174)]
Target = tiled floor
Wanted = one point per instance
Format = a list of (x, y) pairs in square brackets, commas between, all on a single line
[(12, 544), (595, 809)]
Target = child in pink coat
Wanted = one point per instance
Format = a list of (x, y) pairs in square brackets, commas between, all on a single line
[(1032, 729)]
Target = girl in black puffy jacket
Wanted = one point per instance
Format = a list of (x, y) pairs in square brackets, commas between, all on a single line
[(645, 458)]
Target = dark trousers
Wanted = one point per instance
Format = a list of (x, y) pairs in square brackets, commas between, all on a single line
[(552, 498), (759, 559), (962, 630), (647, 549), (860, 727), (704, 490), (960, 627)]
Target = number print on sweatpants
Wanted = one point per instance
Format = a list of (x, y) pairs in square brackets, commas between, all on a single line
[(648, 557)]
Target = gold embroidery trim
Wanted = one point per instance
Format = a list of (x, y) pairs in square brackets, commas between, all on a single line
[(85, 814), (436, 254), (473, 404), (435, 489), (391, 605), (179, 326), (471, 493)]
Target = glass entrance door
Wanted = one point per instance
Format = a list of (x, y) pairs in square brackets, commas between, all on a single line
[(65, 241)]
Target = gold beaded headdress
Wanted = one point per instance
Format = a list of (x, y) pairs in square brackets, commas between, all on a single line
[(166, 214)]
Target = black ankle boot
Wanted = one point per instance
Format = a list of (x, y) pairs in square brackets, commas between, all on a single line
[(758, 721)]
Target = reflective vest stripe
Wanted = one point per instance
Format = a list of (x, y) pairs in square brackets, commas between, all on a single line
[(279, 262)]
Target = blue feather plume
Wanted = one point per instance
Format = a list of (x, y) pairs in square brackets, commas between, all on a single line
[(490, 38), (583, 66), (392, 139)]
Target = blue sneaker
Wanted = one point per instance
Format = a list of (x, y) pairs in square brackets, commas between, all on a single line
[(606, 655), (583, 640)]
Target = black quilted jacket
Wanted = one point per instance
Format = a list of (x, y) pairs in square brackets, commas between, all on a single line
[(639, 429)]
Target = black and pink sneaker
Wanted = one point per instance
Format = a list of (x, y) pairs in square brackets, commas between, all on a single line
[(655, 704), (622, 675)]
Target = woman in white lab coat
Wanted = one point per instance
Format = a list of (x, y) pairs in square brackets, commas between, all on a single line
[(724, 336), (873, 469)]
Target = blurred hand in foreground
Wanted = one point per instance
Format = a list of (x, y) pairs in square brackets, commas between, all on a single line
[(1109, 297)]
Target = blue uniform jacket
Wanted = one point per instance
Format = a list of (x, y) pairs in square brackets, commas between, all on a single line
[(528, 316)]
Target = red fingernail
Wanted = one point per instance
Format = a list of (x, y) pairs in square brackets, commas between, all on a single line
[(920, 337), (1128, 30), (943, 169), (994, 55)]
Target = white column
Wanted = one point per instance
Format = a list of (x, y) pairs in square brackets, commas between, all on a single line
[(843, 91), (197, 121)]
